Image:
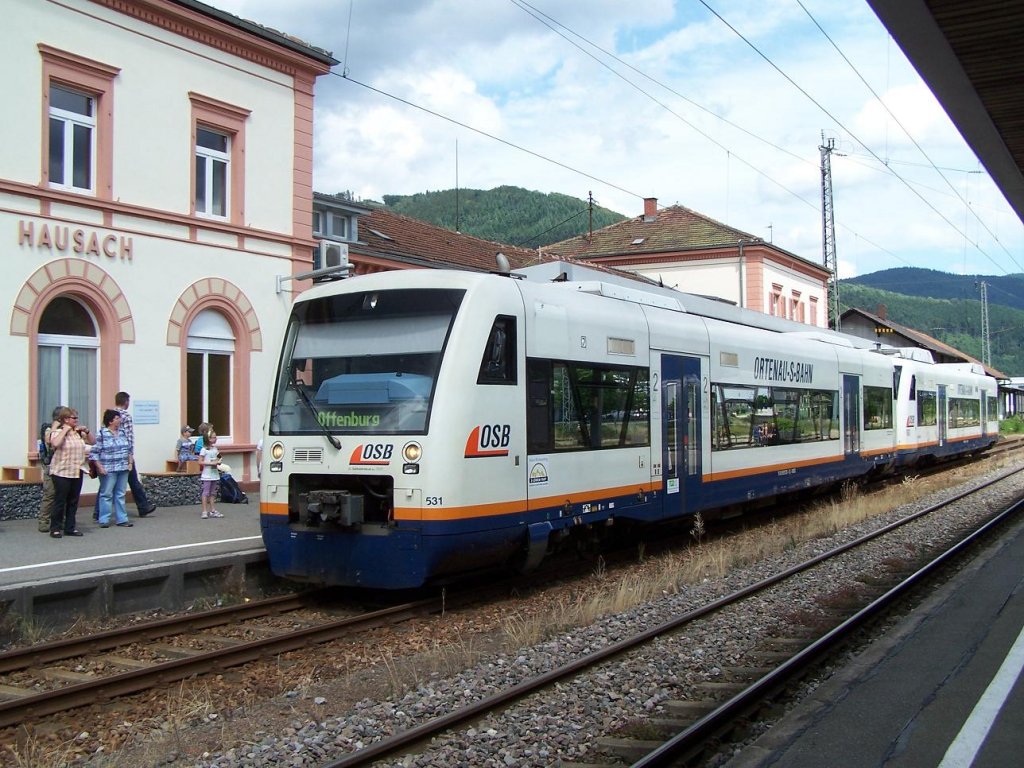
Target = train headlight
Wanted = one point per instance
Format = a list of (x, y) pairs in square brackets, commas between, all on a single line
[(277, 451), (412, 452)]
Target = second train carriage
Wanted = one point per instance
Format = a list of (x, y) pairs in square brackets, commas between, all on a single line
[(431, 423), (943, 409)]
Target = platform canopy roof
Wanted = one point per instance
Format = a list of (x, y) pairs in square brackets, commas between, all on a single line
[(971, 55)]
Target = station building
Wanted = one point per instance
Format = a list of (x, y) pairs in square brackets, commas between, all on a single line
[(683, 249), (155, 193)]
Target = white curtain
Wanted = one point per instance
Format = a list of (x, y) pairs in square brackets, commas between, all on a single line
[(82, 385), (48, 390)]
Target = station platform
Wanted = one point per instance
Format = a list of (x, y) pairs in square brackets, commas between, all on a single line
[(944, 687), (169, 559)]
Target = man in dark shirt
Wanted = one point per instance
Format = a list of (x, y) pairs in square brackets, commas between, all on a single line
[(142, 503)]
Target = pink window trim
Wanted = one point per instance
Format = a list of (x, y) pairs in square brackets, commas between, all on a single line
[(93, 287), (230, 301), (229, 119), (97, 80)]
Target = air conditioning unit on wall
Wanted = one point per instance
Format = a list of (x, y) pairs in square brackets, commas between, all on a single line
[(335, 254)]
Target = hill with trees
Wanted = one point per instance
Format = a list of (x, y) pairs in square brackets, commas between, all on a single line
[(510, 215), (954, 321), (1007, 290)]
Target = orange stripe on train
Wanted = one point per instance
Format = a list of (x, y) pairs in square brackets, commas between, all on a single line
[(518, 506), (279, 508), (766, 470)]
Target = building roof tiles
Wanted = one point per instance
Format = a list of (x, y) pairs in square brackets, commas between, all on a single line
[(388, 233)]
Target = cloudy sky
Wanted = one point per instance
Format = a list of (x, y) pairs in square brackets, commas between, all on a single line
[(717, 105)]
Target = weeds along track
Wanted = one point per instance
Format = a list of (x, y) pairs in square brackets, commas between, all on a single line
[(679, 730), (57, 676)]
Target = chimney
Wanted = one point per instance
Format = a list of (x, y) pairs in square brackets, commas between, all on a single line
[(650, 208), (882, 311)]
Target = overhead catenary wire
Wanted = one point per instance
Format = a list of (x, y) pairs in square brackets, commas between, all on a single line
[(526, 7), (491, 136), (537, 13), (907, 132), (550, 229), (764, 174), (551, 23), (849, 132)]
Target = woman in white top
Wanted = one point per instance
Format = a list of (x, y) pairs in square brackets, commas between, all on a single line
[(209, 458)]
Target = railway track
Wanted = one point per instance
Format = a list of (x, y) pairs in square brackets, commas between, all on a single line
[(131, 659), (691, 744), (48, 679), (709, 725)]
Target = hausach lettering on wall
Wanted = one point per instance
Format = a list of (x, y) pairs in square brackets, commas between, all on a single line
[(777, 369), (60, 238)]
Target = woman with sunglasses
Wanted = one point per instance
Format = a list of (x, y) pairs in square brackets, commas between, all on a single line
[(69, 440)]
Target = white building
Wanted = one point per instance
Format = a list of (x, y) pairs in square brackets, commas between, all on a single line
[(155, 180), (683, 249)]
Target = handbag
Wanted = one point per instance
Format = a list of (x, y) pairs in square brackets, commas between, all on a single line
[(94, 470)]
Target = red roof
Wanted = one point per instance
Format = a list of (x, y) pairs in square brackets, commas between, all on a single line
[(670, 232), (673, 228), (411, 242)]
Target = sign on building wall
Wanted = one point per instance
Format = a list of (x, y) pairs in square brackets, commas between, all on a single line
[(146, 411)]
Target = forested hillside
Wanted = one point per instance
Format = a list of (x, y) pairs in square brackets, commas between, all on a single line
[(956, 322), (930, 283), (506, 214)]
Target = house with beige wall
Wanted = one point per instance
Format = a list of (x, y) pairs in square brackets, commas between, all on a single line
[(686, 250), (155, 185)]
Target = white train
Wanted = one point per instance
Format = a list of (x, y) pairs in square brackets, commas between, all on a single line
[(430, 423)]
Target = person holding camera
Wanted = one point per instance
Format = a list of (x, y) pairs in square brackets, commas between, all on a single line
[(69, 440)]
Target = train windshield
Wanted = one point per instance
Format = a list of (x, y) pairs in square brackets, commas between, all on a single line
[(362, 362)]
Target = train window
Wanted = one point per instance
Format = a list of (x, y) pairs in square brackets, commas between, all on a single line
[(538, 406), (992, 408), (750, 417), (913, 387), (927, 409), (817, 416), (574, 406), (964, 412), (498, 365), (877, 408), (363, 362)]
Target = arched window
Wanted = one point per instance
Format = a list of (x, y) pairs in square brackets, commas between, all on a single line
[(211, 346), (68, 351)]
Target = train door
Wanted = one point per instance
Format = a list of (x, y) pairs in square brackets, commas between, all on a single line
[(681, 433), (941, 414), (851, 413), (984, 414)]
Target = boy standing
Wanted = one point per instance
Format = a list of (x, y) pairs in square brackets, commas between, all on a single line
[(184, 449)]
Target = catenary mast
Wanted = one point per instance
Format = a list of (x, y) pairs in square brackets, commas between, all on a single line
[(828, 229)]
